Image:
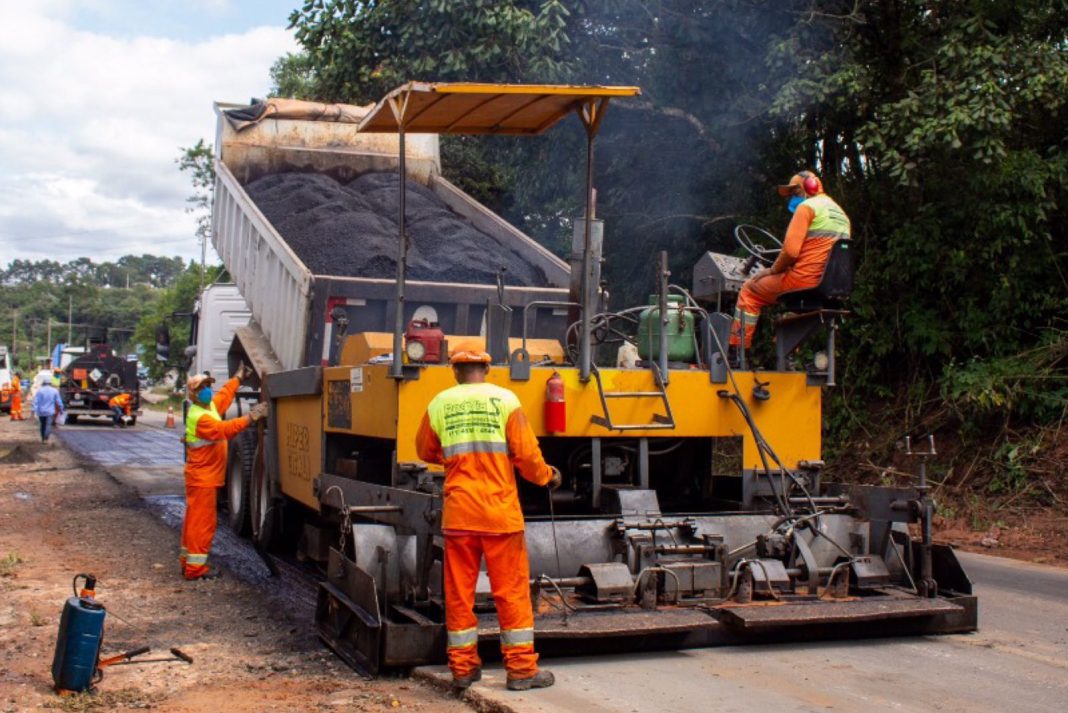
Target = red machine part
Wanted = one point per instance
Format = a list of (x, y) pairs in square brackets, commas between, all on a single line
[(423, 341), (555, 404)]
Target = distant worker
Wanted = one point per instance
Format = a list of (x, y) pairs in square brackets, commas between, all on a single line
[(818, 223), (206, 434), (47, 404), (16, 397), (479, 433), (120, 405)]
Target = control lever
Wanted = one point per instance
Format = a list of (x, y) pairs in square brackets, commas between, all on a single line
[(749, 264)]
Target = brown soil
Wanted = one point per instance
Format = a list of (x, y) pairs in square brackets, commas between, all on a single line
[(1039, 536), (58, 519)]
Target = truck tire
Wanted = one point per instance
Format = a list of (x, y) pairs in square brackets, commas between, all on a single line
[(264, 511), (72, 418), (238, 481)]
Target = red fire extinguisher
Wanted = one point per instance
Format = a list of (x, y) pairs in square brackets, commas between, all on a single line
[(555, 407)]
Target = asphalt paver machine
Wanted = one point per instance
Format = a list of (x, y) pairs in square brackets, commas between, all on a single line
[(693, 511)]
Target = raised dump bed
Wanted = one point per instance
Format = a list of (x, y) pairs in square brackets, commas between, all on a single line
[(305, 222)]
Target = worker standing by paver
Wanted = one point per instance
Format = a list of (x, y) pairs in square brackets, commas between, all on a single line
[(206, 434), (16, 397), (120, 408), (479, 433), (47, 404), (818, 223)]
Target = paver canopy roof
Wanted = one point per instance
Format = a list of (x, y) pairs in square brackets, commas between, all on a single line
[(455, 108)]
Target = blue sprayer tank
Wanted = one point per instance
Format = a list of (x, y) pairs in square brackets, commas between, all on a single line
[(81, 631)]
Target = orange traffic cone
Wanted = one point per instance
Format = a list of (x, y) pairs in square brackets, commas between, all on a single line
[(170, 417)]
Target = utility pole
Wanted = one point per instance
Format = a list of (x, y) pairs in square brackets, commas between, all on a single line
[(70, 318), (48, 345), (14, 329)]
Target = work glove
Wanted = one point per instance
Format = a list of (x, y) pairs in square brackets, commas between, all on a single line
[(257, 412), (243, 372), (556, 479)]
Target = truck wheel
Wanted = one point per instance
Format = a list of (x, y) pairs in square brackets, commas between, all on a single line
[(265, 512), (72, 419), (238, 481)]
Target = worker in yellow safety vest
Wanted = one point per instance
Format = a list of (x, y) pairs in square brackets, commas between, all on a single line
[(479, 433), (206, 436), (817, 224)]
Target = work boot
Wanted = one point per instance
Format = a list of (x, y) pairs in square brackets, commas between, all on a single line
[(542, 679), (462, 683), (212, 573)]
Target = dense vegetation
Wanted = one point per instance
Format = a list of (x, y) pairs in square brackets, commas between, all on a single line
[(102, 298), (940, 125)]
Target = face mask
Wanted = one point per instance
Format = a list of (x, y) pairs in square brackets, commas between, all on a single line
[(204, 395), (794, 202)]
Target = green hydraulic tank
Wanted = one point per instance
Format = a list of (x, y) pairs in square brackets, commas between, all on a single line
[(679, 329)]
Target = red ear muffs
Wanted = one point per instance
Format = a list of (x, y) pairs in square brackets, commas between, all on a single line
[(811, 185)]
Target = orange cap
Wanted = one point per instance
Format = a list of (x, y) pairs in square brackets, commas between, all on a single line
[(470, 351)]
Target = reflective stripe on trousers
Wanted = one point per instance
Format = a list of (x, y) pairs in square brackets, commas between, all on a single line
[(463, 638), (517, 637)]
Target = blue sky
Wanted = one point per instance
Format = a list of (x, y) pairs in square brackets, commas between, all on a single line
[(98, 97)]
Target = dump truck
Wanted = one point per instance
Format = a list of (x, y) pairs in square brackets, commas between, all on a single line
[(693, 511)]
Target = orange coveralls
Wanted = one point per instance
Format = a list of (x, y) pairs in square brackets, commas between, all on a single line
[(799, 266), (482, 517), (16, 399), (121, 401), (205, 473)]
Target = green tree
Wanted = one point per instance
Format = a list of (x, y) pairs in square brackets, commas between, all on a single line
[(199, 161), (172, 309)]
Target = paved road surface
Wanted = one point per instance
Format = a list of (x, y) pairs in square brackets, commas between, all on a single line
[(1017, 662)]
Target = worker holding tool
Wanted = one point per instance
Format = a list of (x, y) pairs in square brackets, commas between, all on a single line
[(479, 432), (120, 408), (206, 434), (47, 405), (16, 397), (818, 223)]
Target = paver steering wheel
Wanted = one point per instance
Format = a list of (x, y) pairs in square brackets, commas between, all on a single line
[(744, 234)]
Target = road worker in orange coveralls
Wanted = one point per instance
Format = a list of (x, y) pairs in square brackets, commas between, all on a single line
[(818, 223), (479, 433), (206, 434), (16, 397), (120, 408)]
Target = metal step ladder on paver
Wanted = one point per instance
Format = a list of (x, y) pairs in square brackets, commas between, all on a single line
[(660, 421)]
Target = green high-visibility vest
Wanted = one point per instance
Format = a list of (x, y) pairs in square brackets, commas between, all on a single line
[(196, 411), (471, 418), (830, 220)]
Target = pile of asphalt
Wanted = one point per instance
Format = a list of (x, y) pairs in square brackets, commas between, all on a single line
[(20, 454), (351, 231)]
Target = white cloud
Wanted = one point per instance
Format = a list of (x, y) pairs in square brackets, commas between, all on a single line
[(90, 126)]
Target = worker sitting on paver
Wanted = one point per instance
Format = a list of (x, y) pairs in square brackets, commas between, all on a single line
[(47, 405), (479, 433), (818, 223), (16, 397), (120, 405), (206, 434)]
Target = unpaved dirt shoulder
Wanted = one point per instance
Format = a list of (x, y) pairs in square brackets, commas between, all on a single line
[(58, 518)]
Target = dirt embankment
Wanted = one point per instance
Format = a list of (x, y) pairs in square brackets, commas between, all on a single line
[(58, 518)]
